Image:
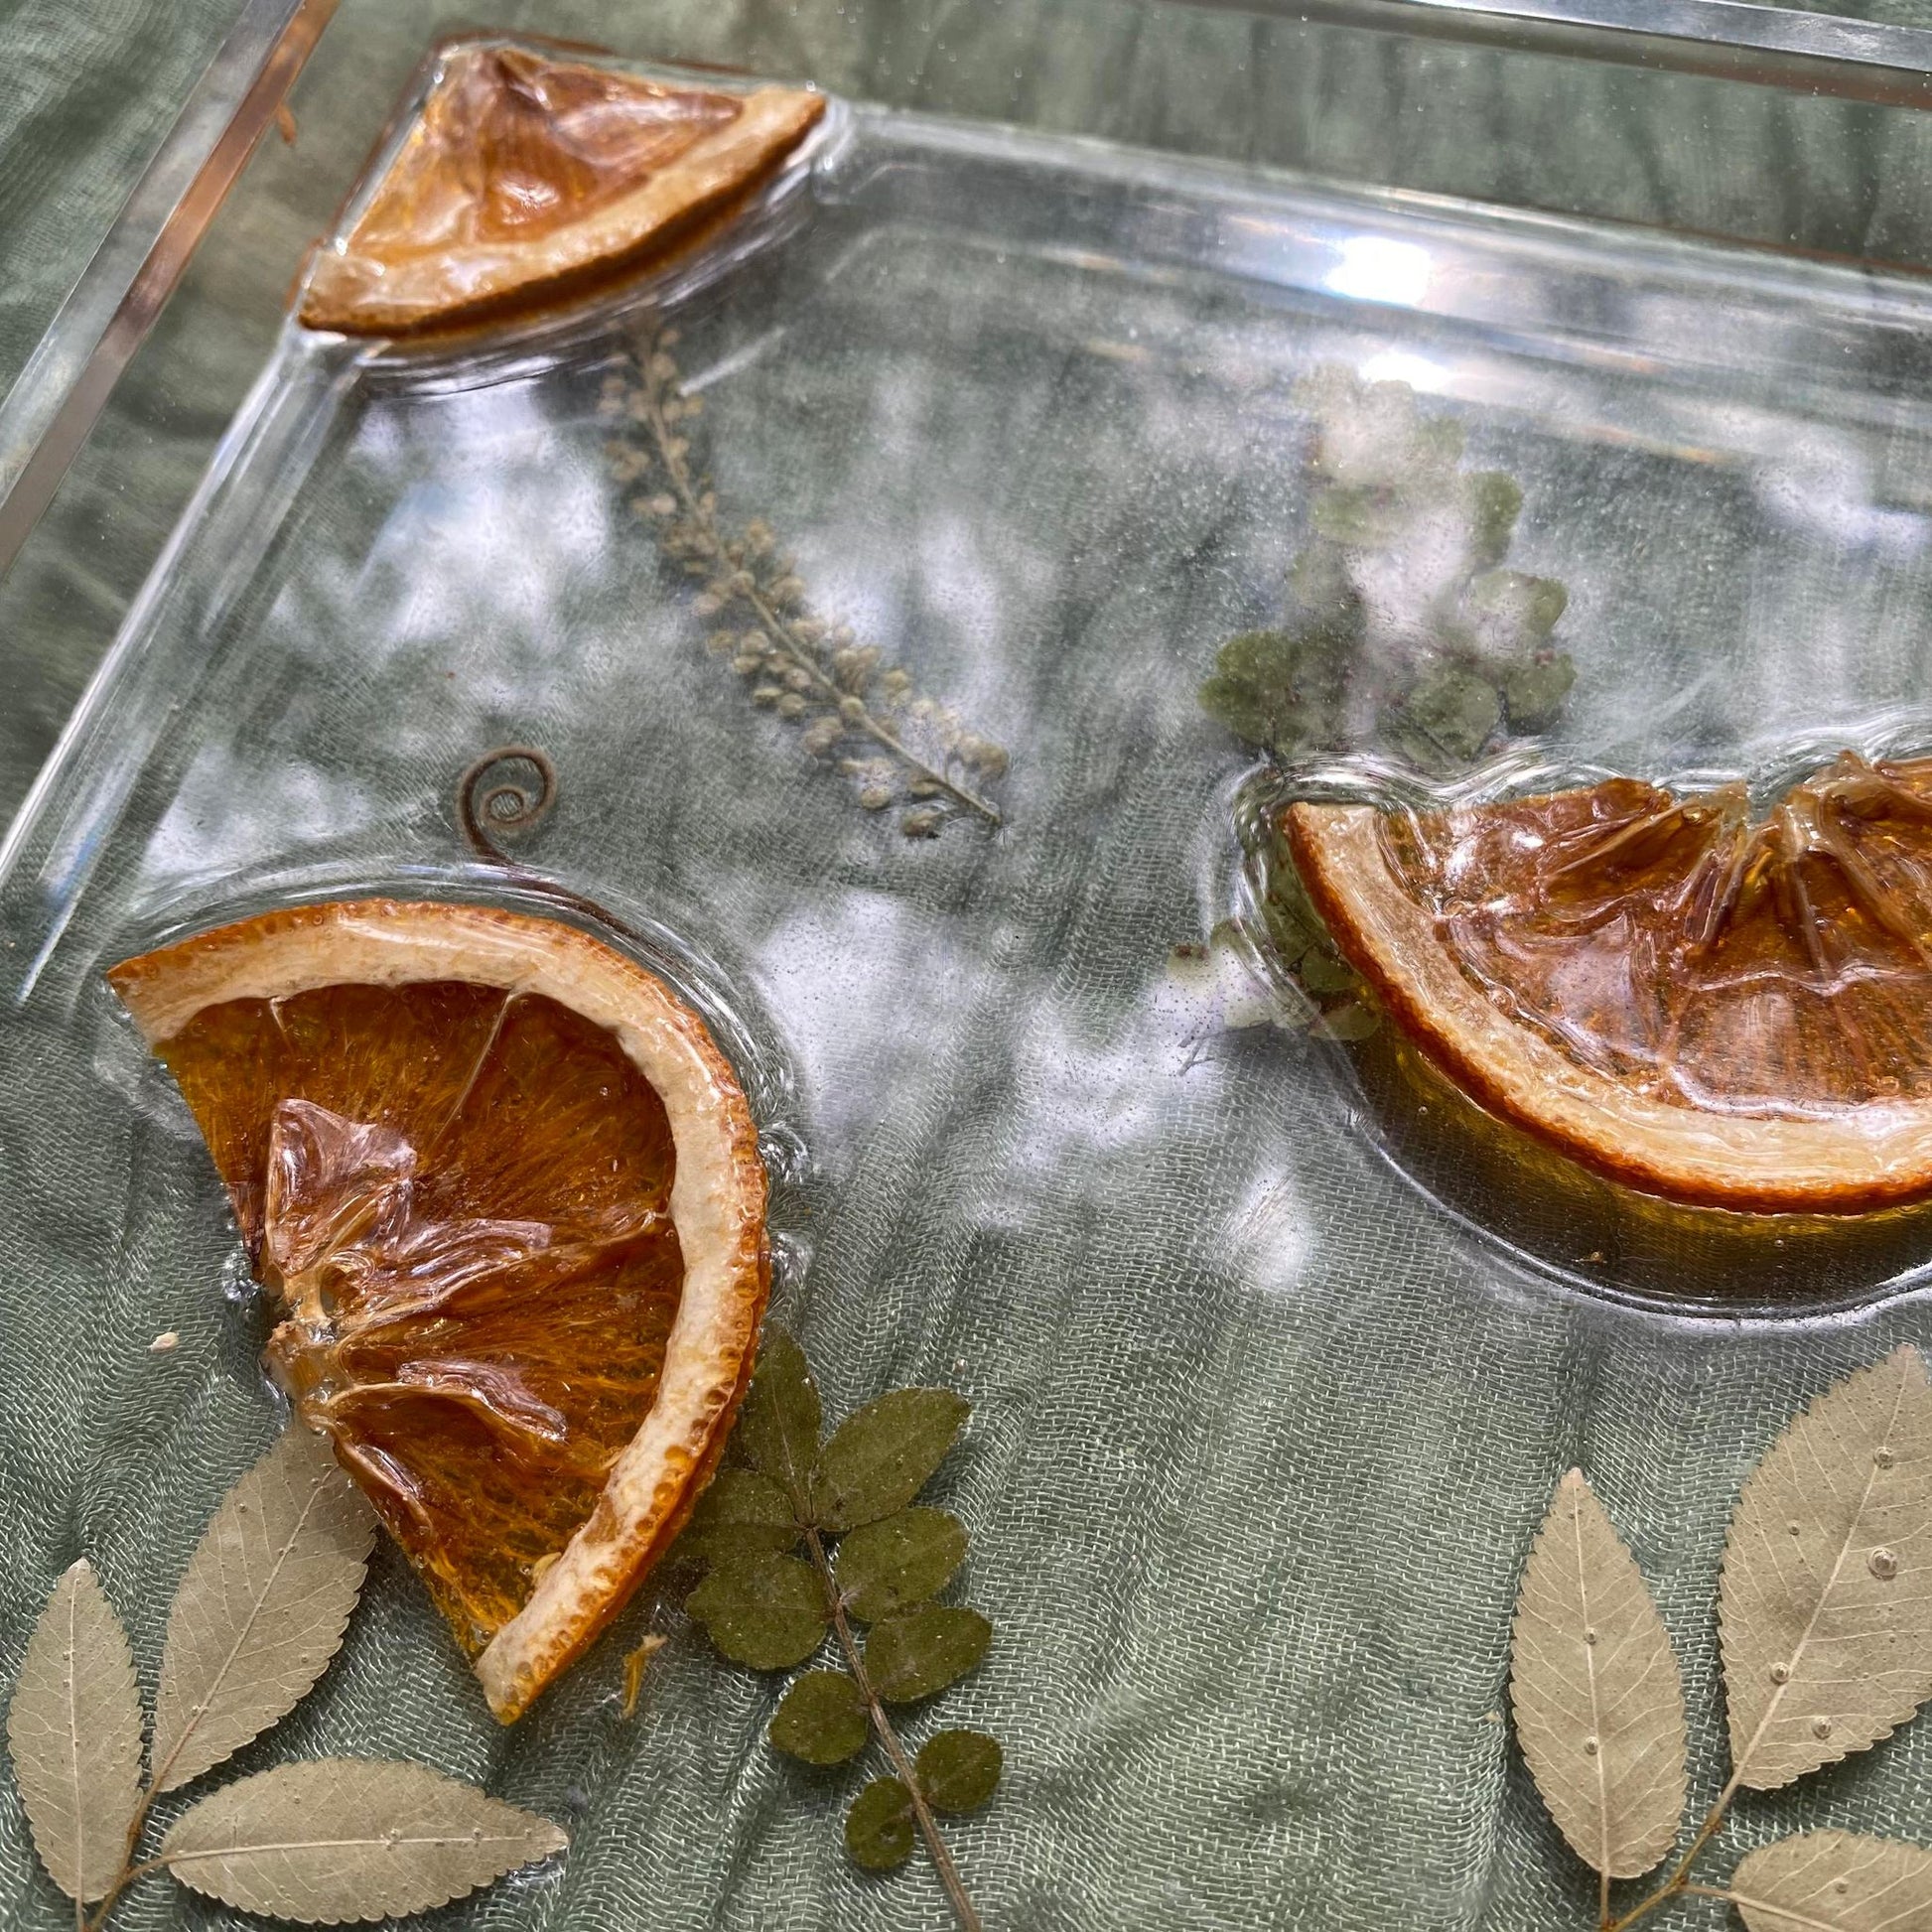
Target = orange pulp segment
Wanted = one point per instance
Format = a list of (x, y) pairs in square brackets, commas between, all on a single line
[(507, 1195), (1727, 1012)]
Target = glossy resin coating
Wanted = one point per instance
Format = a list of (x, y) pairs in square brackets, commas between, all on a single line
[(1724, 1008)]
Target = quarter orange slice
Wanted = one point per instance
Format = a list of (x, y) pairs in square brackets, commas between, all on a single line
[(507, 1195), (1727, 1012), (526, 177)]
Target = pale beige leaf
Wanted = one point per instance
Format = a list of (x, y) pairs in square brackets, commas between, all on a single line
[(261, 1608), (1825, 1609), (74, 1731), (1832, 1881), (337, 1839), (1599, 1709)]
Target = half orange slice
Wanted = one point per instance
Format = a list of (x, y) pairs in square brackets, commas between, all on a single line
[(1729, 1012), (507, 1195), (526, 177)]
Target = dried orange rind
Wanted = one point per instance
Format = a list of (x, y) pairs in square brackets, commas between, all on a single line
[(508, 1194), (527, 178), (1725, 1010)]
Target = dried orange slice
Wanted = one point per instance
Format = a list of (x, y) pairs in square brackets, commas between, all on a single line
[(507, 1195), (1729, 1013), (525, 177)]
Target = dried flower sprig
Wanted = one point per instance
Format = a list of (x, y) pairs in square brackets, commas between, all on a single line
[(1400, 623), (1400, 627), (1824, 1626), (853, 710)]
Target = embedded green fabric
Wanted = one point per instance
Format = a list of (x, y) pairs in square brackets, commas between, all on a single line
[(90, 91), (1259, 1437)]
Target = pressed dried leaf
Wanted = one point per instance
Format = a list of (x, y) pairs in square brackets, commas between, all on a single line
[(1834, 1881), (879, 1828), (899, 1561), (879, 1458), (742, 1513), (339, 1838), (920, 1652), (778, 1430), (74, 1731), (261, 1608), (1534, 691), (1350, 1022), (822, 1718), (763, 1610), (1324, 970), (1594, 1682), (958, 1769), (1450, 711), (1825, 1606)]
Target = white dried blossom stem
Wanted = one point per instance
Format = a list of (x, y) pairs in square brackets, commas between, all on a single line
[(794, 656)]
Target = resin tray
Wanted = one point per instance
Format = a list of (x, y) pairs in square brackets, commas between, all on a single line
[(1271, 1380)]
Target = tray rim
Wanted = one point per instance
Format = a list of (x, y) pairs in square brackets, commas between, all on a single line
[(50, 411)]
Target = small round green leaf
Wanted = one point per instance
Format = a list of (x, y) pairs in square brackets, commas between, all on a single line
[(1352, 1021), (878, 1827), (1454, 711), (822, 1718), (779, 1426), (958, 1769), (1495, 503), (742, 1514), (918, 1652), (763, 1610), (899, 1561), (1324, 970), (1534, 691), (878, 1459)]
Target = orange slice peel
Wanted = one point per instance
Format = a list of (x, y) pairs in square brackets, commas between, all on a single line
[(1728, 1013), (527, 178), (507, 1193)]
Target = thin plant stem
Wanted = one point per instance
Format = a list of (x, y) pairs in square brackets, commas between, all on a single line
[(852, 709), (1679, 1881), (507, 805), (962, 1906), (129, 1874), (129, 1871)]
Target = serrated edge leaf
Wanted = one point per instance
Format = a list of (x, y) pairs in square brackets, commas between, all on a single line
[(881, 1456), (261, 1608), (875, 1797), (893, 1685), (881, 1595), (934, 1788), (1826, 1633), (1595, 1689), (1834, 1881), (788, 1720), (330, 1841), (73, 1733)]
